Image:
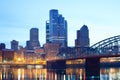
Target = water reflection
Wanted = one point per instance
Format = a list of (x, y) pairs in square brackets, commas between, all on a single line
[(110, 74), (22, 74), (44, 74), (75, 74)]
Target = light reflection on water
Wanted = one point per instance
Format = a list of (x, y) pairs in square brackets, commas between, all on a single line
[(110, 74), (44, 74)]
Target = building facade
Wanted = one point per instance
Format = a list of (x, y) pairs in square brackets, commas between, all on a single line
[(47, 32), (7, 55), (51, 50), (82, 37), (56, 29), (34, 39), (14, 45)]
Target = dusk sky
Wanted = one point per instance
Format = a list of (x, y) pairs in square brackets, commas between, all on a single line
[(17, 17)]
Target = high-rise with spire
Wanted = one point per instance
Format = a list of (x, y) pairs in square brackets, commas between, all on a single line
[(56, 28)]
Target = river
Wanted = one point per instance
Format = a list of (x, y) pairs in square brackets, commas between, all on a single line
[(45, 74)]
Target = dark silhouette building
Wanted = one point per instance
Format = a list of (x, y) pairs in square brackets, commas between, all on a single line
[(2, 46), (56, 29), (82, 37), (34, 39), (14, 45)]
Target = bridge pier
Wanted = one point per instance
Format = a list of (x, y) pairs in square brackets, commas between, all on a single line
[(56, 64), (59, 66), (92, 67)]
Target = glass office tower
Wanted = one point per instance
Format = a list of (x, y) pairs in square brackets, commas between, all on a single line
[(56, 29)]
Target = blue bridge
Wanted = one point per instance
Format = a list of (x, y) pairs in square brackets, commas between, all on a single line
[(109, 47)]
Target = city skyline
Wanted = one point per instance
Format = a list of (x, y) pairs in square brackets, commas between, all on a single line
[(101, 17)]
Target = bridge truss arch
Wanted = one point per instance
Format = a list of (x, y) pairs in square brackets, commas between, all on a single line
[(109, 45)]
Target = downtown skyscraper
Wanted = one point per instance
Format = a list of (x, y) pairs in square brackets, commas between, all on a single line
[(82, 37), (14, 44), (34, 39), (56, 29)]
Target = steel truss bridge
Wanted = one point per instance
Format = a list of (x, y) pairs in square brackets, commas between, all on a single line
[(109, 47)]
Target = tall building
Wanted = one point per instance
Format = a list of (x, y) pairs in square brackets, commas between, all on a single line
[(14, 45), (82, 37), (47, 32), (34, 39), (34, 35), (56, 29)]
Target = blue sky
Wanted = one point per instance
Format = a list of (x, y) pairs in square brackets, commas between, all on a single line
[(17, 17)]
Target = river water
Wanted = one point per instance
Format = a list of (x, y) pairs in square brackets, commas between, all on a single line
[(44, 74)]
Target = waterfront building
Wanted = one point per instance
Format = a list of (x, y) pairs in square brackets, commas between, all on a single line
[(56, 29), (51, 50), (34, 39), (8, 55), (0, 55), (14, 45), (82, 37), (39, 50), (34, 56)]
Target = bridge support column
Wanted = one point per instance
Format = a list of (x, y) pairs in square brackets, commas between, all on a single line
[(59, 66), (92, 67)]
